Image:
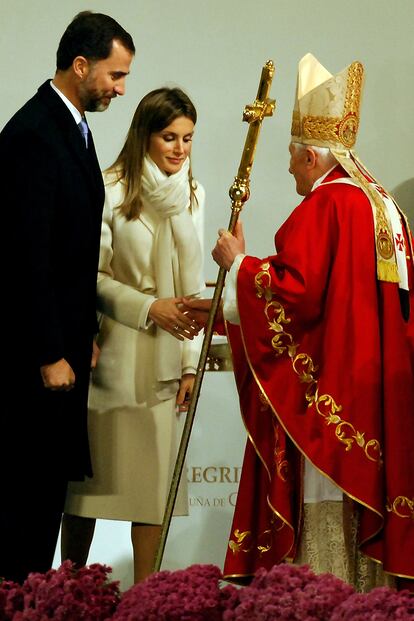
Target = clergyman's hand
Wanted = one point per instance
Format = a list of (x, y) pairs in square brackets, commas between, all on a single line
[(228, 246), (169, 315), (199, 309)]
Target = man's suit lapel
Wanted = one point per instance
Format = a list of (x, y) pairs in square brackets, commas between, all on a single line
[(72, 136)]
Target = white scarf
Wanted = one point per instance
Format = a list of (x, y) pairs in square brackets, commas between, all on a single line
[(178, 258)]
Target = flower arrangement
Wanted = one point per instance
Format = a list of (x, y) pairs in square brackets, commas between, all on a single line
[(284, 593), (289, 593), (380, 604), (193, 593), (64, 594)]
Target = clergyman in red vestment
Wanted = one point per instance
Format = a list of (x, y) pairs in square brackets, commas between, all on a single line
[(322, 339)]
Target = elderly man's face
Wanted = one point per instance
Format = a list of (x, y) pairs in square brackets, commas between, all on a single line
[(299, 168)]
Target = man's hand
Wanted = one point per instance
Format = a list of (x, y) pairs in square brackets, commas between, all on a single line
[(168, 314), (228, 246), (58, 375)]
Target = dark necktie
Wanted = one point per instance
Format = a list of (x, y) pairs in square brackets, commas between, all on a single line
[(84, 130)]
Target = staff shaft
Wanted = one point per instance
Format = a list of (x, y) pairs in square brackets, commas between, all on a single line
[(239, 194)]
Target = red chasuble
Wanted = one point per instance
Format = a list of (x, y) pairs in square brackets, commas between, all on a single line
[(324, 364)]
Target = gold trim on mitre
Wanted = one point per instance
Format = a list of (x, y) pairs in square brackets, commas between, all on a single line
[(326, 110)]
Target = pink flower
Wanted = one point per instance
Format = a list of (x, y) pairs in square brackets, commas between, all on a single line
[(64, 594), (284, 593), (11, 599), (192, 594), (380, 604), (289, 593)]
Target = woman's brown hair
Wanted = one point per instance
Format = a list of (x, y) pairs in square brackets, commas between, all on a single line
[(155, 111)]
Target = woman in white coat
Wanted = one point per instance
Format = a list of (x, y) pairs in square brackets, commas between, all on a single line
[(150, 257)]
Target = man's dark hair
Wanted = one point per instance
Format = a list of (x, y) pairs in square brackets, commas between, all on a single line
[(90, 35)]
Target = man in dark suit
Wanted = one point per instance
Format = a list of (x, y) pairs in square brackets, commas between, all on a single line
[(52, 198)]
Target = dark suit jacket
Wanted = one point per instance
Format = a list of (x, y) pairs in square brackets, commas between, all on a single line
[(52, 203)]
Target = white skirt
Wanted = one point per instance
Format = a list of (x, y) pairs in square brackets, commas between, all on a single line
[(134, 437)]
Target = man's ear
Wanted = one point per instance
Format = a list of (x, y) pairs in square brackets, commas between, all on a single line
[(80, 67), (311, 158)]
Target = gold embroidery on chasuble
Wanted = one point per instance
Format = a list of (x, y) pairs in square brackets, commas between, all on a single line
[(282, 464), (304, 367), (401, 506), (244, 542), (275, 313)]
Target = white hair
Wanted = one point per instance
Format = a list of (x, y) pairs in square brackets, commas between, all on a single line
[(324, 153)]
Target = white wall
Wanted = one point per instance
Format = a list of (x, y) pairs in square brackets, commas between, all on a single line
[(215, 50)]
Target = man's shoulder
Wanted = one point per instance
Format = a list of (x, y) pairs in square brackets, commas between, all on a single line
[(340, 188), (30, 116), (330, 200), (42, 122)]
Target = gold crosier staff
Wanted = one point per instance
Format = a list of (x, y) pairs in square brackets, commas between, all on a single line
[(239, 194)]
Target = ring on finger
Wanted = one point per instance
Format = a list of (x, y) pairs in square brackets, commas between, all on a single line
[(176, 327)]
